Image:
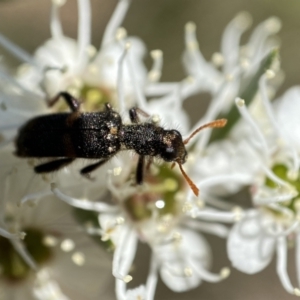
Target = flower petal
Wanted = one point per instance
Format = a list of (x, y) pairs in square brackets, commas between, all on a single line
[(176, 270), (288, 114), (249, 249)]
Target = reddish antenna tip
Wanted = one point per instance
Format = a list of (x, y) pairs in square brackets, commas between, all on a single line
[(189, 181)]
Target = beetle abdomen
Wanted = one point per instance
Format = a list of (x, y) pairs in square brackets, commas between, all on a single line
[(87, 135)]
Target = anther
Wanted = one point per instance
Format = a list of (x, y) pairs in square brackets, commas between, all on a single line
[(177, 236), (200, 203), (190, 79), (225, 272), (22, 235), (156, 54), (50, 241), (59, 2), (273, 24), (190, 26), (243, 20), (187, 207), (238, 213), (127, 278), (91, 51), (155, 119), (127, 46), (188, 272), (67, 245), (269, 74), (78, 258), (293, 175), (229, 77), (245, 64), (120, 221), (117, 171), (121, 33), (217, 59), (296, 292), (240, 102)]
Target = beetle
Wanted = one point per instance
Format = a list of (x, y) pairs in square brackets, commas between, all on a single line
[(100, 135)]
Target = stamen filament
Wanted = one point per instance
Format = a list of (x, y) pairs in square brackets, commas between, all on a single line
[(55, 25), (282, 232), (33, 197), (231, 40), (124, 254), (152, 278), (297, 253), (282, 264), (7, 234), (259, 36), (115, 22), (83, 204), (140, 96), (210, 228), (270, 174), (220, 216), (207, 275), (240, 104), (84, 31), (274, 199), (271, 116), (223, 179), (155, 72), (15, 50), (20, 248), (120, 85)]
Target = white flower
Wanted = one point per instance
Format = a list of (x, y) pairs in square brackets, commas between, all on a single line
[(230, 157), (155, 215), (233, 59), (64, 64), (138, 293), (274, 222), (55, 258), (164, 212), (286, 109)]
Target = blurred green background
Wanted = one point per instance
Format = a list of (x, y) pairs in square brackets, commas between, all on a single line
[(160, 24)]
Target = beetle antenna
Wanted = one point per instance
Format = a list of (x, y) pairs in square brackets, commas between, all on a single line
[(214, 124), (189, 181)]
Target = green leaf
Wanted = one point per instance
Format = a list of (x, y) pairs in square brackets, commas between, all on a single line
[(247, 94)]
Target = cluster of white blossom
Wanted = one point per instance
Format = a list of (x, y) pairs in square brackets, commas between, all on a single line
[(56, 228)]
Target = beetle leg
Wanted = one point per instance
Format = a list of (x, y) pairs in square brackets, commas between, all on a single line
[(133, 114), (108, 106), (140, 170), (72, 102), (90, 168), (54, 165), (150, 161)]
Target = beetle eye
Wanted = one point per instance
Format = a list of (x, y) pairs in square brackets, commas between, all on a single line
[(176, 132), (169, 154)]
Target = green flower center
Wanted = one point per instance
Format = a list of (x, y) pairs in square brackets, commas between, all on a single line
[(12, 266), (282, 172), (161, 195), (93, 99)]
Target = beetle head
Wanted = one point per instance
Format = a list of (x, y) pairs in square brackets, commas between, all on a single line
[(173, 148)]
